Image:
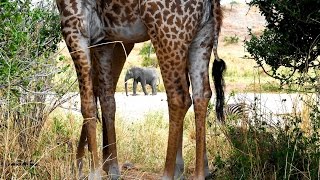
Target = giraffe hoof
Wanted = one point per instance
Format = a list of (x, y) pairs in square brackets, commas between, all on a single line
[(94, 175), (178, 173), (114, 172), (209, 176)]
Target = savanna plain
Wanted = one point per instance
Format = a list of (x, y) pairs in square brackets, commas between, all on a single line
[(237, 151)]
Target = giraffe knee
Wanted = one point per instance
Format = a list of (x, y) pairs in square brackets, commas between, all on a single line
[(180, 101), (207, 93)]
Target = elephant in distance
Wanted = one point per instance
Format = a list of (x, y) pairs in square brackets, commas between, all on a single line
[(144, 76)]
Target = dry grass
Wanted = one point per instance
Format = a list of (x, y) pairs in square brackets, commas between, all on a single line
[(52, 155), (142, 144)]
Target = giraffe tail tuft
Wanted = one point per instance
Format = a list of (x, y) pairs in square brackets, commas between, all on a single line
[(218, 69)]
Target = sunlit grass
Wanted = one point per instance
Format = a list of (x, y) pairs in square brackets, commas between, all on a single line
[(142, 143)]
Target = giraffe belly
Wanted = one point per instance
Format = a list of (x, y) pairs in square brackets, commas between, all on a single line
[(129, 33)]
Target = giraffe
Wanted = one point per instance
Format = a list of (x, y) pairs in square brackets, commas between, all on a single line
[(184, 33)]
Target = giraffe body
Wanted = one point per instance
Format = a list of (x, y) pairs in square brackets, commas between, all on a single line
[(183, 34)]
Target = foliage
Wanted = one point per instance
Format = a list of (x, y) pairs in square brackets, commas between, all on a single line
[(29, 37), (231, 39), (149, 62), (147, 49), (54, 151), (148, 151), (28, 33), (145, 52), (289, 150), (290, 43), (288, 50)]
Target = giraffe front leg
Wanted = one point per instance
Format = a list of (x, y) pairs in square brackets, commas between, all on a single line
[(88, 109), (78, 47), (80, 150), (75, 24)]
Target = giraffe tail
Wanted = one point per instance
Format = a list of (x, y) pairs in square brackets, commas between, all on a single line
[(218, 68)]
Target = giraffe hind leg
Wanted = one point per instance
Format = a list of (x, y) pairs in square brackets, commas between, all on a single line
[(174, 72), (110, 60), (199, 58)]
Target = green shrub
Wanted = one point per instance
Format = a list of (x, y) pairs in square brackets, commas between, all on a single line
[(262, 151), (231, 39), (145, 52), (147, 49), (29, 38), (149, 62)]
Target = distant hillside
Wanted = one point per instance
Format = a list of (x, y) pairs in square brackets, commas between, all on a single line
[(238, 19)]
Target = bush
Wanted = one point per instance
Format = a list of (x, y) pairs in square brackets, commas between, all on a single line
[(231, 39), (149, 62), (262, 151), (29, 37), (145, 52), (290, 44)]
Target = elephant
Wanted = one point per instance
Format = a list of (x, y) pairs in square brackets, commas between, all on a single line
[(144, 76)]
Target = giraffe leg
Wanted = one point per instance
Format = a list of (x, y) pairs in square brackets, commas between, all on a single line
[(80, 150), (103, 60), (81, 58), (118, 60), (199, 57), (110, 64), (179, 170), (174, 72)]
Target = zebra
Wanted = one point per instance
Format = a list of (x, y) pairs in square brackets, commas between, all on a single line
[(237, 113)]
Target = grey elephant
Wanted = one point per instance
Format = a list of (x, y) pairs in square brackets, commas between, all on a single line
[(144, 76)]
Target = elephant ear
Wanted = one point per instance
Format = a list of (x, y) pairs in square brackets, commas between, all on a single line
[(137, 73)]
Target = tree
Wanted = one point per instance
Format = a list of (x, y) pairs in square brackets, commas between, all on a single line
[(289, 46), (29, 36), (288, 50)]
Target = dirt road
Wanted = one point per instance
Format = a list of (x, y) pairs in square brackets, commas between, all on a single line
[(132, 108)]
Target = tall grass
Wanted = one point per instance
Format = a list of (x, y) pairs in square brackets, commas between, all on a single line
[(258, 151), (51, 156)]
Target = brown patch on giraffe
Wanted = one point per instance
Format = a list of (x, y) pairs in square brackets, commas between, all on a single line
[(153, 7), (116, 8)]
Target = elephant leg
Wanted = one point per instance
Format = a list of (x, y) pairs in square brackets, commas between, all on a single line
[(154, 87), (143, 84), (135, 82)]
